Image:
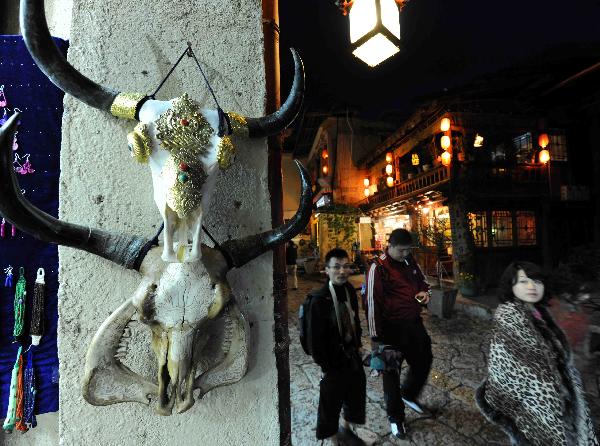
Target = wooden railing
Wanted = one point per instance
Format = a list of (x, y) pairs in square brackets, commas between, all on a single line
[(420, 183)]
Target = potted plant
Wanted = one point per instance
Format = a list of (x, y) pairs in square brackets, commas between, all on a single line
[(437, 236), (467, 284)]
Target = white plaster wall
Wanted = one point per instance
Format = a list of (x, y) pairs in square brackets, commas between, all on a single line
[(130, 46)]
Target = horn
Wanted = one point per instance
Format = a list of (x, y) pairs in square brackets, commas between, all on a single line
[(124, 250), (54, 65), (282, 118), (241, 251)]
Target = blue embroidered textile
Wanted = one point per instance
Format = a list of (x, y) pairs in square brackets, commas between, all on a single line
[(39, 135)]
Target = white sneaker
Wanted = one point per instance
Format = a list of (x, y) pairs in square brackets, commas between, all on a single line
[(414, 406), (399, 430)]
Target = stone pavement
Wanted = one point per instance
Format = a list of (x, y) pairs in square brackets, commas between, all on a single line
[(460, 348)]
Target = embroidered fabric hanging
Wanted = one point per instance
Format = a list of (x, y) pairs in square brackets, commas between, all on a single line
[(11, 412), (36, 329), (20, 294)]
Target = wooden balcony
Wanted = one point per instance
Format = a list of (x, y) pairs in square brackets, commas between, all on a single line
[(421, 183), (523, 180)]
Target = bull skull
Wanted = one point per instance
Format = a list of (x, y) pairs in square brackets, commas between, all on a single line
[(199, 335), (184, 144), (200, 340)]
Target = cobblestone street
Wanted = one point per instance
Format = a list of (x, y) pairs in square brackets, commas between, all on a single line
[(460, 347)]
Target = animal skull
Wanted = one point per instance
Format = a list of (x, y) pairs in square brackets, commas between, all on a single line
[(181, 141)]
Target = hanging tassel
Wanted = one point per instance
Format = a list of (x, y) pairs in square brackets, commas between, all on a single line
[(20, 425), (36, 329), (20, 294), (9, 422), (30, 391)]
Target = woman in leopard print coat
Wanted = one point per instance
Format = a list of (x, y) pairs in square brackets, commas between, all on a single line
[(532, 391)]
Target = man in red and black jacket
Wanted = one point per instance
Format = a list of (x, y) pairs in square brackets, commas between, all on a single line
[(395, 292)]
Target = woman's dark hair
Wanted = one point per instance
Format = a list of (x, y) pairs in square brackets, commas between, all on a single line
[(509, 278)]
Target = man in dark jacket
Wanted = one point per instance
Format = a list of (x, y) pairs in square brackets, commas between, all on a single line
[(395, 292), (335, 344)]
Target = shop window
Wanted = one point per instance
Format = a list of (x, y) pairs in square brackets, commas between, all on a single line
[(558, 146), (526, 235), (502, 229), (523, 148), (478, 226)]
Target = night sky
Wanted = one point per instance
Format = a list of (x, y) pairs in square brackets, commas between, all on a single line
[(445, 45)]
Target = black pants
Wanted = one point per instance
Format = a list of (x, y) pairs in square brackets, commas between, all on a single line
[(413, 341), (341, 388)]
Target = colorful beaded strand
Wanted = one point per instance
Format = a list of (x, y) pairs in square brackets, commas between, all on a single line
[(20, 294), (9, 422), (36, 329), (30, 391)]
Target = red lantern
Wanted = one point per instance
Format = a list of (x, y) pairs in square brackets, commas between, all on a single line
[(543, 140), (325, 169), (325, 154)]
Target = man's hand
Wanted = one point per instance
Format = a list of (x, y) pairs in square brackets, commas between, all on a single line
[(422, 297)]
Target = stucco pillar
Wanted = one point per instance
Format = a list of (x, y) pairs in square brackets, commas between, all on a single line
[(130, 46)]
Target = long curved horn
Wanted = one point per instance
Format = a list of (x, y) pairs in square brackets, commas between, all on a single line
[(241, 251), (125, 250), (50, 60), (282, 118)]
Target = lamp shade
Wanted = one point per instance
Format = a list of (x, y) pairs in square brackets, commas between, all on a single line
[(374, 30), (445, 124), (389, 169), (325, 154), (389, 157), (445, 142), (544, 156), (543, 140), (389, 181), (446, 158)]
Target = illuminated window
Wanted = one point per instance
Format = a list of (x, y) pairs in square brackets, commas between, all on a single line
[(558, 146), (478, 227), (526, 234), (502, 229), (524, 148)]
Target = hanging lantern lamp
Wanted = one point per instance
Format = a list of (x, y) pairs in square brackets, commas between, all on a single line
[(325, 169), (445, 124), (325, 154), (375, 30), (445, 142), (366, 192), (415, 159), (366, 182), (446, 158), (543, 140), (389, 169), (544, 156), (389, 181), (389, 157)]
